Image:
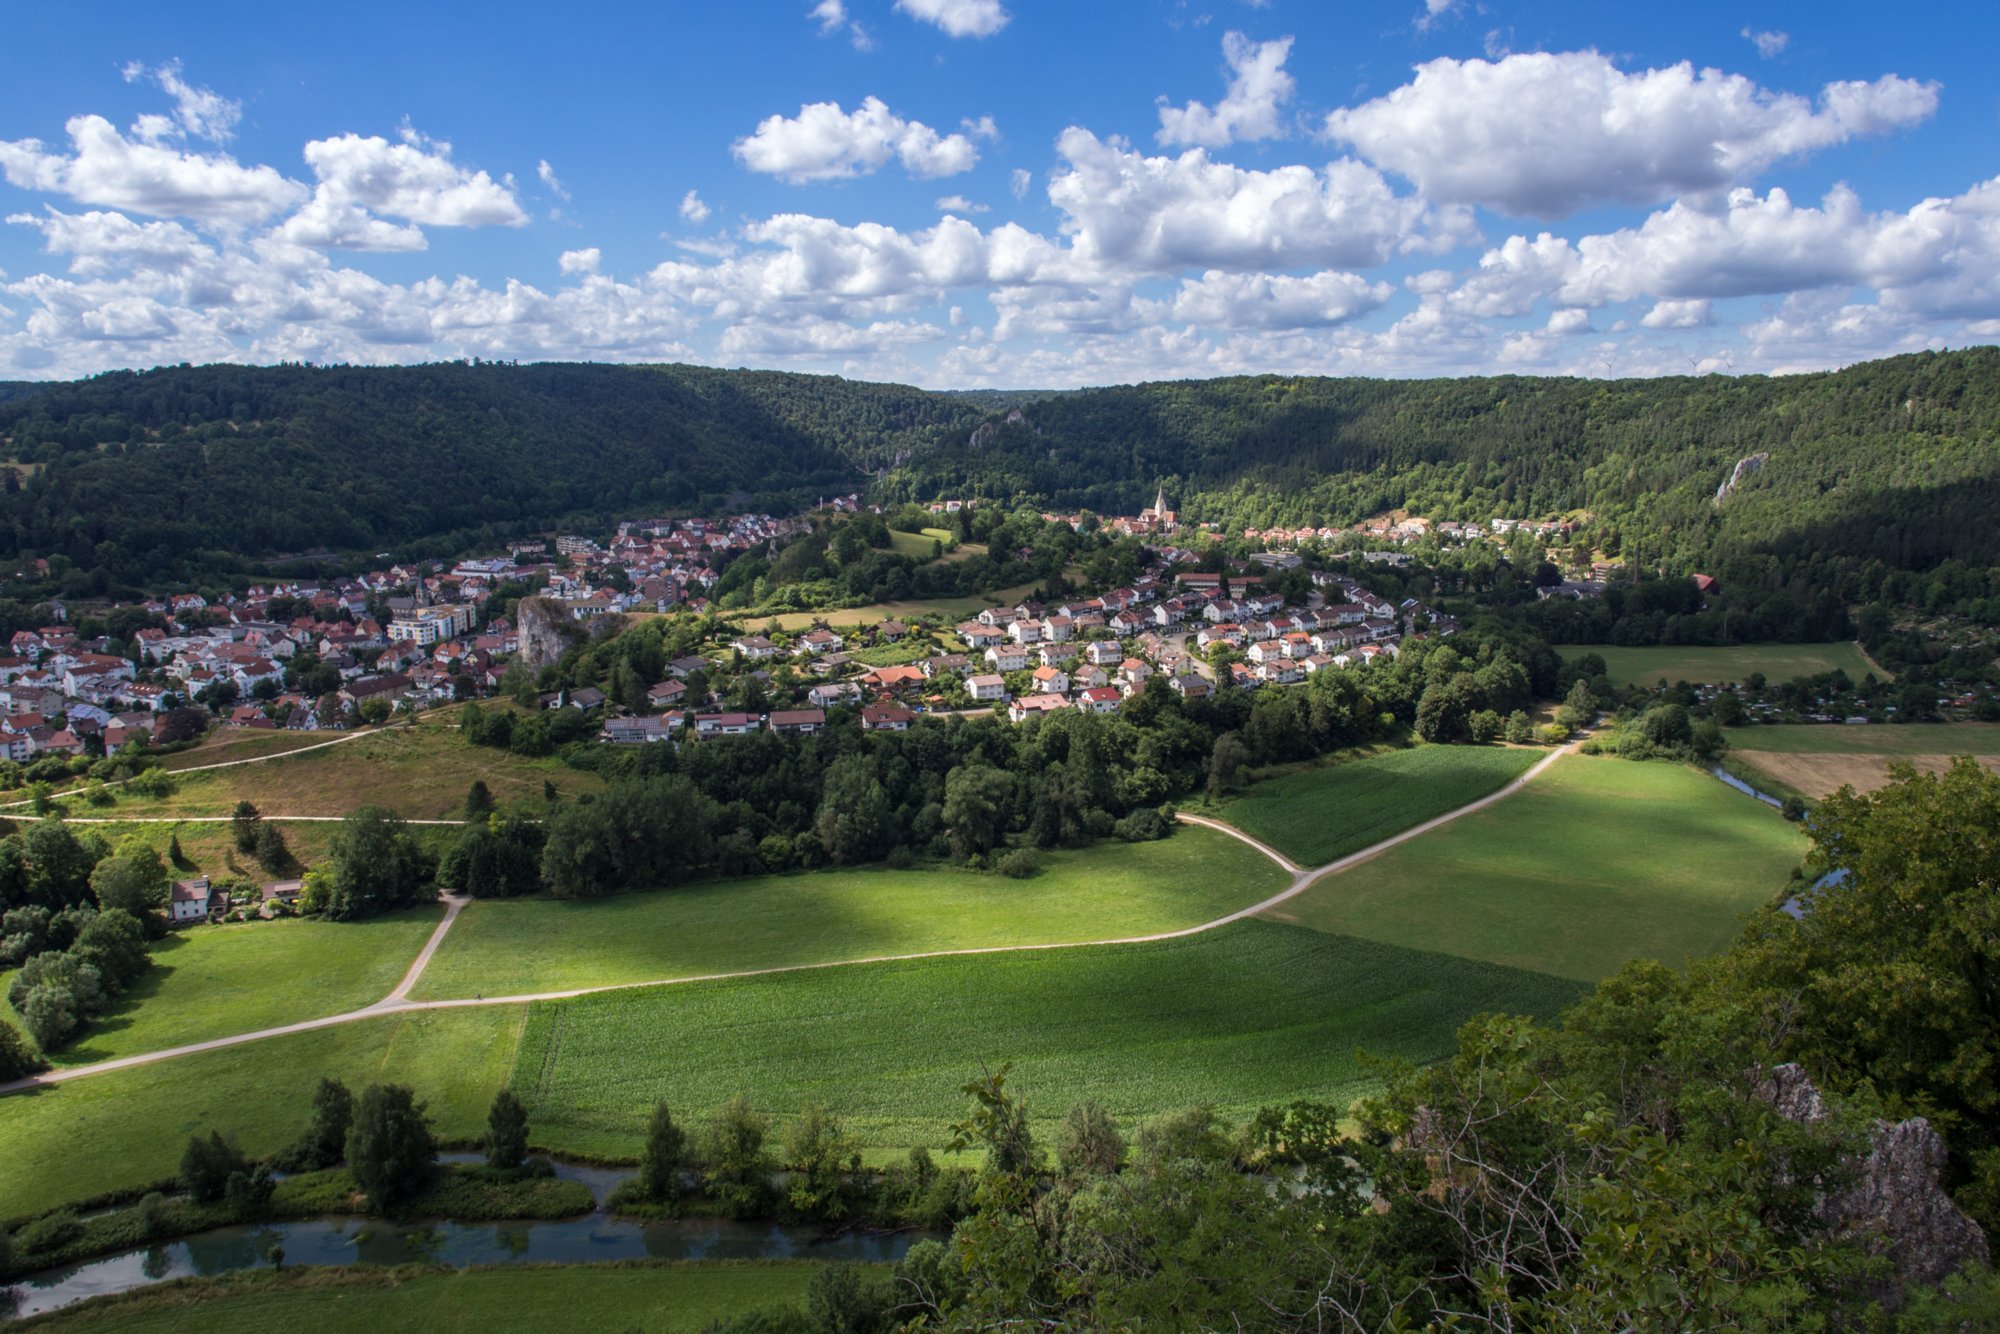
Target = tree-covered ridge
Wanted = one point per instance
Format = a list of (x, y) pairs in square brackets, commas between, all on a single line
[(158, 475), (1895, 460), (184, 469)]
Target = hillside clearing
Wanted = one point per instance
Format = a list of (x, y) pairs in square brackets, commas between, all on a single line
[(420, 771)]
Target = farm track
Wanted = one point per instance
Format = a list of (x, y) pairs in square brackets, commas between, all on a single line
[(398, 1002)]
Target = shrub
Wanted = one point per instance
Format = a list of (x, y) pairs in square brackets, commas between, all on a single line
[(207, 1166), (1018, 864), (16, 1058), (1144, 825), (50, 1232)]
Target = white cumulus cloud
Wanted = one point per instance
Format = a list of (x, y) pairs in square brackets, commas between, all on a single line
[(1258, 87), (824, 142), (693, 209), (107, 169), (1542, 135), (959, 204), (365, 180), (580, 261), (550, 180), (959, 18)]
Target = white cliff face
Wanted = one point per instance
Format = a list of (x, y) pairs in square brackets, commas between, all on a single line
[(1744, 468), (544, 631)]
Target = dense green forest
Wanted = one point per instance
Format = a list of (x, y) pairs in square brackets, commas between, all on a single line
[(184, 470), (1895, 460)]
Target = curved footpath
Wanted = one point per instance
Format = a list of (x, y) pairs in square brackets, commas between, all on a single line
[(398, 1002)]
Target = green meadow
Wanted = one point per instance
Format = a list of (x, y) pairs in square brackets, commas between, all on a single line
[(1596, 862), (1111, 890), (1318, 815)]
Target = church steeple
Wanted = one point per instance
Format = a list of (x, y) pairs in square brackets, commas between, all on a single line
[(1160, 500)]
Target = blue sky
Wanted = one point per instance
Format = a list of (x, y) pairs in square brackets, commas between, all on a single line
[(1001, 192)]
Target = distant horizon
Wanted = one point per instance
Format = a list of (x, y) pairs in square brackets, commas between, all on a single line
[(981, 389)]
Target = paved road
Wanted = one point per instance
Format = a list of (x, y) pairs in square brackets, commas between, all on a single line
[(398, 1002)]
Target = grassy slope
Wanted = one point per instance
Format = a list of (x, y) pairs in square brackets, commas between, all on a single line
[(1246, 1015), (116, 1131), (1111, 890), (1698, 664), (212, 981), (1892, 739), (1596, 862), (1318, 815), (620, 1297), (420, 771)]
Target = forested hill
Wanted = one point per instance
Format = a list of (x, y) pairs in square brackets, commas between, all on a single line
[(181, 471), (1897, 460), (190, 470)]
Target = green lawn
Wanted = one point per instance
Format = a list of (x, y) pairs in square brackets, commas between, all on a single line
[(1596, 862), (1236, 1018), (211, 981), (1319, 815), (1697, 664), (110, 1132), (1881, 739), (604, 1297), (1111, 890)]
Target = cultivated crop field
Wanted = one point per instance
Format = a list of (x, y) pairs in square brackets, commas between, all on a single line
[(1817, 760), (1596, 862), (211, 981), (77, 1140), (1318, 815), (1699, 664), (377, 1301), (512, 947), (1236, 1018)]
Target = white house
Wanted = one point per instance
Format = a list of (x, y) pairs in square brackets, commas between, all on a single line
[(190, 900)]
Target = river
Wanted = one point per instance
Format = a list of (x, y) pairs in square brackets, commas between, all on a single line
[(593, 1238)]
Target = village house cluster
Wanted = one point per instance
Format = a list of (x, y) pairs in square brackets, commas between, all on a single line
[(1086, 653)]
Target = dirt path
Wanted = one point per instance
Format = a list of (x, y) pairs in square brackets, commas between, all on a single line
[(398, 1002)]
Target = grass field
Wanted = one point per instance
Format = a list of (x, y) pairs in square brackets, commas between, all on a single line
[(111, 1132), (1239, 1017), (955, 609), (1246, 1015), (1318, 815), (604, 1297), (1113, 889), (420, 771), (227, 744), (212, 981), (1876, 739), (1596, 862), (1697, 664)]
